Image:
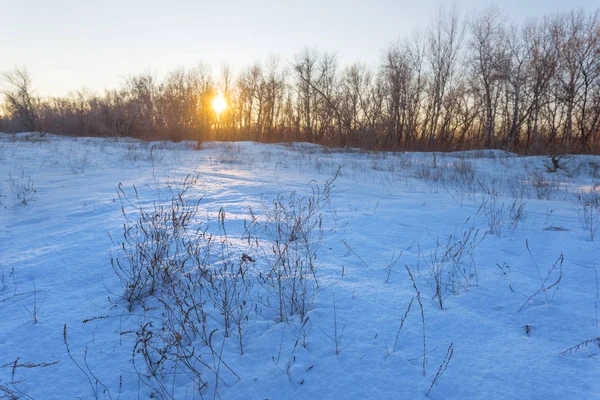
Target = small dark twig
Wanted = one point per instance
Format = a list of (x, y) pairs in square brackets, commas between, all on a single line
[(402, 322), (443, 367), (422, 317)]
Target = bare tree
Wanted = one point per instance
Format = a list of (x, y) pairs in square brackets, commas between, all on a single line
[(305, 68), (530, 88), (445, 39), (19, 98), (518, 53), (403, 76), (489, 62), (354, 90), (143, 93), (315, 86), (274, 84), (541, 68)]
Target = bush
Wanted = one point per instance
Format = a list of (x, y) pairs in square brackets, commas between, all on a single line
[(23, 189), (209, 286), (588, 204), (500, 215)]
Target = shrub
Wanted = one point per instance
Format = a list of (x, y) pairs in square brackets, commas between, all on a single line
[(205, 284), (153, 247), (588, 204), (23, 189), (501, 215)]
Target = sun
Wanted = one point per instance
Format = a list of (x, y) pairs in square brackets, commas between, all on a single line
[(219, 104)]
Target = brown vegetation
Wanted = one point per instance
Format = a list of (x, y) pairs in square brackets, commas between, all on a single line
[(464, 83)]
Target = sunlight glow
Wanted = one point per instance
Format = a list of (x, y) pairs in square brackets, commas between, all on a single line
[(219, 104)]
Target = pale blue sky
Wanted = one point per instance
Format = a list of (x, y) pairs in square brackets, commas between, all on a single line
[(68, 44)]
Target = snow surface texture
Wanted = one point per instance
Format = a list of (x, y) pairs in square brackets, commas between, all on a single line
[(482, 233)]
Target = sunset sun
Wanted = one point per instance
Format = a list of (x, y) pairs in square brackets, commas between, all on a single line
[(219, 104)]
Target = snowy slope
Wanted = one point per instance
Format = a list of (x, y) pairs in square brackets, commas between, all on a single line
[(510, 311)]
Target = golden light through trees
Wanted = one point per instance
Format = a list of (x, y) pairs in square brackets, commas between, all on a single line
[(219, 104), (466, 83)]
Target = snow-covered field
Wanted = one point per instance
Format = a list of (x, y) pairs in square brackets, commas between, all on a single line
[(505, 272)]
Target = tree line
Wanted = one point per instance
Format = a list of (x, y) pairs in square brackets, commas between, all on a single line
[(462, 83)]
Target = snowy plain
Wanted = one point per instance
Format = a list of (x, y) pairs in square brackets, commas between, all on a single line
[(501, 238)]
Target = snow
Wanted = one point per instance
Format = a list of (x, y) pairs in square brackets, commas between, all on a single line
[(55, 254)]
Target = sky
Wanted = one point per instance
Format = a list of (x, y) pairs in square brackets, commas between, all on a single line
[(69, 44)]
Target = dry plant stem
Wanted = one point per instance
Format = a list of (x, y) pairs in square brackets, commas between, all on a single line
[(35, 311), (402, 322), (588, 205), (106, 391), (218, 369), (335, 330), (393, 261), (337, 333), (24, 190), (576, 348), (537, 268), (356, 254), (545, 287), (422, 317), (13, 394), (66, 342), (597, 295), (202, 284), (443, 367)]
